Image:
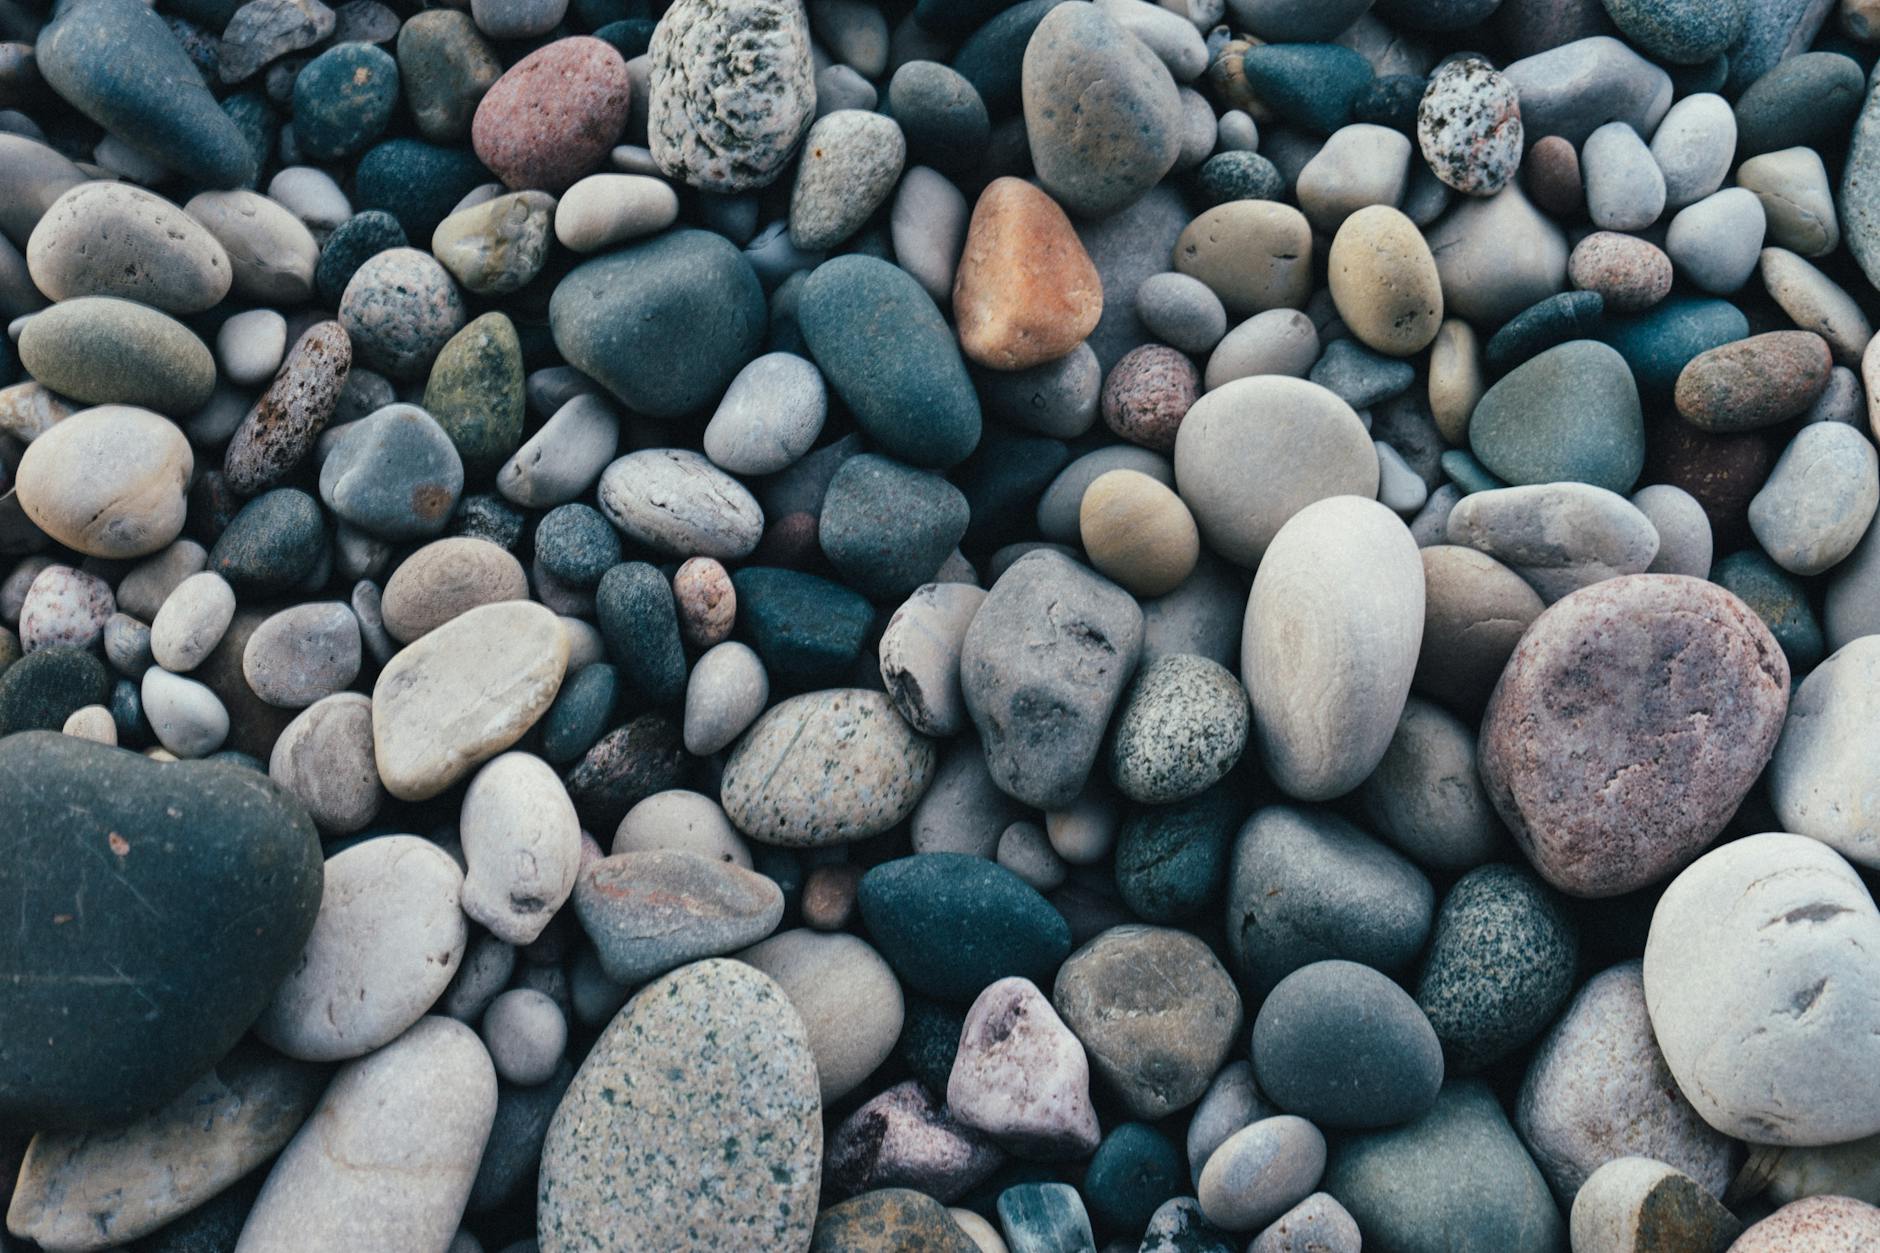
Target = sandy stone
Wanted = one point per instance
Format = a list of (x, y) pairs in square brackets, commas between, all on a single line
[(447, 578), (1254, 254), (1025, 292), (108, 481), (1384, 281), (1138, 532)]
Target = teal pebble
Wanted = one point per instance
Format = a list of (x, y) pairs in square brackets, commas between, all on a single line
[(930, 1040), (887, 527), (1559, 319), (1312, 85), (272, 545), (580, 715), (260, 128), (1462, 469), (1134, 1170), (576, 544), (343, 100), (1683, 32), (950, 924), (1003, 480), (1171, 860), (992, 56), (1660, 342), (1808, 101), (807, 630), (640, 622), (354, 242), (1571, 413), (415, 182), (1045, 1218), (1780, 600)]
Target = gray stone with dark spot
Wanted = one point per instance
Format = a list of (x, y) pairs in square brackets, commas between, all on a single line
[(394, 474)]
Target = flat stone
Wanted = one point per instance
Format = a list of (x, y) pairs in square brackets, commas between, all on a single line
[(388, 939), (1260, 1172), (464, 693), (303, 654), (950, 924), (1570, 413), (324, 759), (1560, 537), (712, 1063), (216, 841), (650, 912), (388, 1158), (521, 846)]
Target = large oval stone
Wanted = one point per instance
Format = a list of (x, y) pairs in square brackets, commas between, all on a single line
[(116, 239), (463, 693), (882, 345), (1329, 647), (116, 62), (695, 1122), (1629, 724), (627, 318), (152, 910), (1824, 780), (1570, 413), (826, 768), (1763, 994), (102, 350)]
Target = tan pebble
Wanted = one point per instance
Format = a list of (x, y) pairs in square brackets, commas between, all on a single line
[(706, 601), (1817, 303), (1254, 254), (829, 896), (1026, 292), (1456, 381), (1138, 532), (1384, 281), (93, 722), (108, 482), (446, 578)]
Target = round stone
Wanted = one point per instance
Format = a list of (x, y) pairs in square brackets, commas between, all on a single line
[(1148, 393), (679, 504), (1182, 727), (606, 209), (1426, 796), (769, 416), (1138, 532), (1818, 500), (108, 482), (1751, 383), (1469, 126), (1260, 1172), (1025, 291), (1608, 796), (1772, 929), (401, 308), (445, 578), (1252, 254), (1570, 413), (848, 999), (887, 527), (343, 100), (554, 115), (303, 654), (498, 245), (1630, 274), (950, 924), (324, 759), (1818, 780), (1346, 1047), (851, 160)]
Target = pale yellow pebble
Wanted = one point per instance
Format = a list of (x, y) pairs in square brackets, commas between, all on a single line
[(94, 723), (1456, 381), (978, 1230), (1384, 281), (160, 754), (1138, 532), (1254, 254)]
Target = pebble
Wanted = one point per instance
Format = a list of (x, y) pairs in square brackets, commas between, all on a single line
[(1693, 147), (1021, 1076), (64, 608), (905, 1138), (521, 847), (185, 716), (444, 579), (272, 255), (1598, 1089), (1751, 383), (1182, 726), (1250, 254), (524, 1031), (564, 458), (650, 912), (1570, 413), (1630, 274), (848, 998), (1042, 666), (324, 759), (114, 239), (1634, 1202), (498, 245), (1468, 126), (920, 656), (1816, 302), (1318, 1222), (1458, 1177), (1625, 188), (1793, 1083), (1499, 967), (391, 1152), (1816, 779), (302, 654), (734, 127), (1560, 537), (1025, 291), (1716, 242), (1425, 796), (1260, 1172), (1496, 256), (1359, 165), (192, 621), (951, 924), (851, 161), (1339, 569), (930, 518), (894, 1217), (1816, 1222), (105, 351), (554, 115), (394, 474), (726, 691), (1818, 500), (464, 693)]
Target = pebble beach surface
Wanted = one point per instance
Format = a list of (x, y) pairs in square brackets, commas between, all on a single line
[(939, 626)]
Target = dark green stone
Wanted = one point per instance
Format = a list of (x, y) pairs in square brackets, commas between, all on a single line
[(1391, 101), (475, 393), (273, 544), (1660, 342), (956, 17), (1499, 966), (941, 115), (808, 630), (1003, 480), (1133, 1171), (417, 183), (1312, 85), (1458, 1179), (45, 687), (898, 1219), (930, 1040), (1807, 101), (640, 623), (950, 924), (582, 709), (993, 56), (665, 325), (117, 63), (1045, 1218), (1171, 860), (629, 36), (157, 904), (886, 527), (1240, 175), (127, 714), (514, 1147), (354, 242), (576, 544), (889, 354), (1561, 317), (343, 100), (1571, 413), (1780, 600)]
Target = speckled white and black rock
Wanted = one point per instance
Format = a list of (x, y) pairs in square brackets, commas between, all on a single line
[(733, 91)]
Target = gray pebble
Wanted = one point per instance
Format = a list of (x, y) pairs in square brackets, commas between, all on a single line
[(303, 654), (526, 1035)]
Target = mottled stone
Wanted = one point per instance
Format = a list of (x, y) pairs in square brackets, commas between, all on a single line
[(1469, 126), (732, 91), (554, 115)]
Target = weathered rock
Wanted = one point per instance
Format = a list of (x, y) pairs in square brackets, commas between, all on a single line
[(1021, 1076), (650, 912)]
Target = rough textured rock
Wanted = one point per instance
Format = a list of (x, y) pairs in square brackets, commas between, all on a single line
[(732, 92), (1631, 721)]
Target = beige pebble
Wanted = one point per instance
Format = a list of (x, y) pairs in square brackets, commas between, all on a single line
[(706, 601), (1815, 302), (606, 209), (108, 482), (94, 723), (1138, 532), (1253, 254), (446, 578), (1384, 281), (1456, 381)]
